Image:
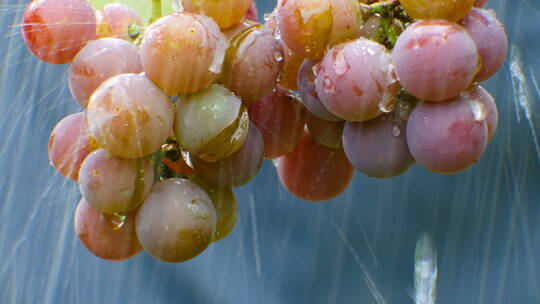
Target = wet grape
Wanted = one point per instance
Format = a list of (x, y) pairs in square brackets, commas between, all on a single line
[(225, 12), (451, 10), (327, 133)]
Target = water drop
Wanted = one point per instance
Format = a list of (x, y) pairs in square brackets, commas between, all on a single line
[(478, 110), (177, 6), (341, 66), (396, 131), (278, 56), (315, 69), (115, 221), (328, 85), (388, 103)]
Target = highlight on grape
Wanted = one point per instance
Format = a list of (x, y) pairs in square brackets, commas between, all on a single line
[(178, 110)]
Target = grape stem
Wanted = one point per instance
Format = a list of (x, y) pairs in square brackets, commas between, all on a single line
[(393, 19), (156, 10)]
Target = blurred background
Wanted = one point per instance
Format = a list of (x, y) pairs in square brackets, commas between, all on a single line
[(357, 248)]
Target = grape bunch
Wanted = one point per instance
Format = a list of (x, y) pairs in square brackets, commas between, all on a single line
[(179, 110)]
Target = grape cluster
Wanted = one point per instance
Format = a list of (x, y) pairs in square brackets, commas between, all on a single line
[(178, 112)]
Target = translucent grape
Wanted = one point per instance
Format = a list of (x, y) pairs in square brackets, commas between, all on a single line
[(129, 116), (55, 30), (182, 52), (308, 27), (253, 13), (355, 78), (480, 3), (435, 59), (451, 10), (225, 12), (211, 123), (113, 184), (234, 30), (490, 39), (313, 172), (98, 61), (291, 65), (120, 18), (238, 168), (327, 133), (252, 64), (177, 221), (378, 147), (448, 137), (479, 94), (281, 119), (103, 238), (69, 145), (308, 92)]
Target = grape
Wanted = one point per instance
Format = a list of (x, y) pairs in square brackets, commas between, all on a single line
[(327, 133), (225, 12), (115, 185), (102, 238), (98, 61), (490, 39), (238, 168), (55, 30), (236, 29), (308, 27), (308, 93), (69, 145), (252, 64), (129, 116), (226, 208), (378, 147), (176, 222), (119, 19), (291, 64), (313, 172), (355, 79), (281, 119), (451, 10), (211, 123), (479, 94), (253, 13), (182, 52), (102, 25), (480, 3), (448, 137), (435, 59)]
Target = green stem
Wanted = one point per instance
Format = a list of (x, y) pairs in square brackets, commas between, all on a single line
[(156, 10)]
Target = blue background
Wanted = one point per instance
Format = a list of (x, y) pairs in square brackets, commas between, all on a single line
[(485, 222)]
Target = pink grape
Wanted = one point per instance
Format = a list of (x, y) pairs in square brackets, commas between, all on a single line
[(252, 63), (490, 39), (120, 18), (281, 119), (451, 10), (327, 133), (225, 12), (129, 116), (378, 147), (308, 92), (69, 145), (98, 61), (183, 52), (435, 59), (314, 172), (102, 237), (479, 94), (113, 184), (355, 79), (253, 13), (480, 3), (238, 168), (448, 137), (55, 30), (177, 221)]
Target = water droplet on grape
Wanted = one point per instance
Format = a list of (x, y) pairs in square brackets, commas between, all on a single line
[(115, 221), (341, 66), (478, 110), (278, 56), (328, 85), (396, 131), (177, 6), (388, 103)]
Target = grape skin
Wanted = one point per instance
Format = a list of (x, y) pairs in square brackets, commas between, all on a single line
[(291, 65), (129, 116), (448, 137), (308, 92), (490, 39), (119, 18), (69, 144), (252, 64), (183, 52), (55, 30), (479, 94), (238, 168), (435, 60), (225, 12), (97, 234), (113, 184), (451, 10), (354, 78), (327, 133), (281, 120), (378, 147), (313, 172), (98, 61), (480, 3), (177, 221), (252, 13)]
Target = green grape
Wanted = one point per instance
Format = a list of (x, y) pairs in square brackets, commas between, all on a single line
[(452, 10)]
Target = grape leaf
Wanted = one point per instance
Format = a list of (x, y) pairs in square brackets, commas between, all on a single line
[(142, 7)]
